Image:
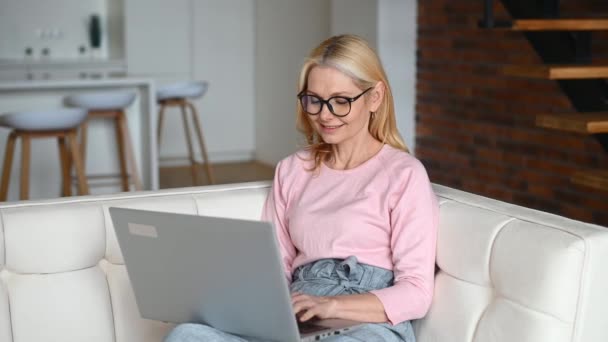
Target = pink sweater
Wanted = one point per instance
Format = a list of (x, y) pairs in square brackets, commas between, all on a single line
[(384, 212)]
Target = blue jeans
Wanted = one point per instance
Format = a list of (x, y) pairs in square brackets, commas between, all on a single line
[(325, 277)]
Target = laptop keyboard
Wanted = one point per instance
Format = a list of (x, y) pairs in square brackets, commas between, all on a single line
[(307, 328)]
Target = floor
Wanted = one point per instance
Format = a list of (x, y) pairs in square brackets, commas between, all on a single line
[(181, 176)]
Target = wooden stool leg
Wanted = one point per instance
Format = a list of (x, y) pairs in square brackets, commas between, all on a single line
[(25, 166), (159, 129), (65, 167), (120, 139), (189, 141), (83, 144), (8, 163), (201, 141), (128, 149), (83, 188)]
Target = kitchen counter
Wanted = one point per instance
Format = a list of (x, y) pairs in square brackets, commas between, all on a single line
[(88, 83), (102, 161), (63, 69), (72, 62)]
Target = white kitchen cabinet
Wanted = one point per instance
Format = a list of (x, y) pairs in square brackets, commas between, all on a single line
[(12, 73), (158, 36)]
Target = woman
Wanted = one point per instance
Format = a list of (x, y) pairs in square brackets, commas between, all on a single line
[(355, 214)]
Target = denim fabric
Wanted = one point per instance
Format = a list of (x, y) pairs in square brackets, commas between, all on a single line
[(326, 277)]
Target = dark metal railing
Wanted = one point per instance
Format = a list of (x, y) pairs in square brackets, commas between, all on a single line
[(488, 20), (546, 9)]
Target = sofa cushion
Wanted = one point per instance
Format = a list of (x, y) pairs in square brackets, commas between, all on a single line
[(5, 322), (55, 238), (68, 307), (538, 268), (505, 320), (464, 242), (457, 307), (243, 204), (2, 254), (5, 326)]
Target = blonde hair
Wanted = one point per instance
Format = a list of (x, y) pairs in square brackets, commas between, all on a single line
[(352, 56)]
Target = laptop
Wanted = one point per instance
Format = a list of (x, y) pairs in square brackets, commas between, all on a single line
[(225, 273)]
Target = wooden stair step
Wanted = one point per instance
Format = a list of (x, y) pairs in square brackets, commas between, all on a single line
[(591, 24), (586, 123), (597, 179), (557, 72)]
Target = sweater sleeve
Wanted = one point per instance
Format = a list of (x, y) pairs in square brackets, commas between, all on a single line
[(414, 221), (274, 211)]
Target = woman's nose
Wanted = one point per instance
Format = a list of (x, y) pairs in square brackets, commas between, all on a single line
[(325, 114)]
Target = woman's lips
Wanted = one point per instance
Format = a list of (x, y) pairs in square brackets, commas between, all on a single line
[(330, 128)]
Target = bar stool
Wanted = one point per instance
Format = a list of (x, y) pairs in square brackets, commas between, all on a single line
[(178, 95), (59, 123), (110, 105)]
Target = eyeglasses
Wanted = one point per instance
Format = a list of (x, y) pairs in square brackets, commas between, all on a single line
[(338, 105)]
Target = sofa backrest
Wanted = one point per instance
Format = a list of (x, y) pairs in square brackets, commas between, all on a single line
[(506, 273)]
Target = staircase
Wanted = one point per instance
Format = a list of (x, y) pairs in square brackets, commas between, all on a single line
[(564, 45)]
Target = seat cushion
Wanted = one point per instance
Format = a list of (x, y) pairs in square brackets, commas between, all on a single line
[(183, 90), (5, 326), (70, 307), (44, 120), (111, 100)]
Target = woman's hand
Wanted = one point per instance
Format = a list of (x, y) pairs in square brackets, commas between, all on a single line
[(365, 307), (307, 307)]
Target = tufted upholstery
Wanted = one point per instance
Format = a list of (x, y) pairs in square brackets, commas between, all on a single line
[(506, 273)]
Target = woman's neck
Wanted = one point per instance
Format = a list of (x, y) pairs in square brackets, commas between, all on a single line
[(351, 154)]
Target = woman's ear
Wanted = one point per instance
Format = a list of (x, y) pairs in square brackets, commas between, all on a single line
[(376, 96)]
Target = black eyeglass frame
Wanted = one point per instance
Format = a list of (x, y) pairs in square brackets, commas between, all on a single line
[(350, 100)]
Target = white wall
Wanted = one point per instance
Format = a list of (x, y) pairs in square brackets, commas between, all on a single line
[(390, 25), (397, 32), (207, 40), (286, 30), (223, 54), (356, 17), (158, 37)]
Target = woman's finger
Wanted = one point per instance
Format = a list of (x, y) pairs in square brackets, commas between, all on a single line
[(309, 314), (302, 305), (301, 298)]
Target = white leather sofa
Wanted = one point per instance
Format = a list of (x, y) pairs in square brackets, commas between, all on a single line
[(507, 274)]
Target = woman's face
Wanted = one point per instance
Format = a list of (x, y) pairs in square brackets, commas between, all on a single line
[(327, 82)]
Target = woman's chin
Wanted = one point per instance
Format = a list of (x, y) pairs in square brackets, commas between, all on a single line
[(331, 138)]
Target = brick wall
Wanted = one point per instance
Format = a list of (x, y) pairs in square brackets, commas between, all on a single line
[(476, 127)]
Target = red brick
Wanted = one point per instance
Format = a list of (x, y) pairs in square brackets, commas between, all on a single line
[(476, 127)]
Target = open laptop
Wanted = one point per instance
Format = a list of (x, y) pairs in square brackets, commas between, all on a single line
[(225, 273)]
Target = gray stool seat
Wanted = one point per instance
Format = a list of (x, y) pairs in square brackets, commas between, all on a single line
[(44, 120), (182, 90), (110, 100)]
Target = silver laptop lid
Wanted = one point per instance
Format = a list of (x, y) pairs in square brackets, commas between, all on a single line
[(226, 273)]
